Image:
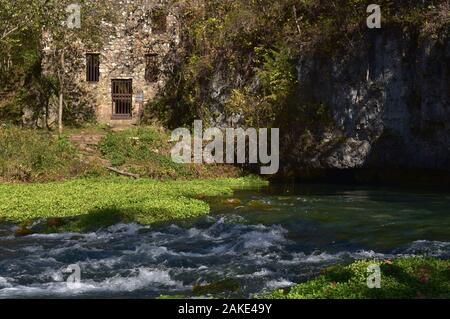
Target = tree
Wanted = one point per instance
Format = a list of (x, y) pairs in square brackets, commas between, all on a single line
[(69, 26), (18, 20), (17, 16), (19, 52), (25, 25)]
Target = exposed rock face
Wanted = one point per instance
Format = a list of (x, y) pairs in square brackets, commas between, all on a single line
[(390, 102)]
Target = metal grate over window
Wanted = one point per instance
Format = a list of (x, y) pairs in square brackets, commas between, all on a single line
[(122, 98), (92, 67)]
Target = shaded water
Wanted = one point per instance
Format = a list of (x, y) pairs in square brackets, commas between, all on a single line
[(263, 239)]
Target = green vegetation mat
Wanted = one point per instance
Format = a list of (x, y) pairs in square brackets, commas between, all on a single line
[(405, 278), (114, 199)]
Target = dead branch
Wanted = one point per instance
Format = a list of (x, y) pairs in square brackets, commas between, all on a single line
[(115, 170)]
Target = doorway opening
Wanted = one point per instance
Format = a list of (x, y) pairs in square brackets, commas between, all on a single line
[(122, 99)]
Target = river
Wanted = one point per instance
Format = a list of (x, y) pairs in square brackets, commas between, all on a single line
[(260, 240)]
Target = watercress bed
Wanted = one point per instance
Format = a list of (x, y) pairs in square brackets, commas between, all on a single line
[(113, 200)]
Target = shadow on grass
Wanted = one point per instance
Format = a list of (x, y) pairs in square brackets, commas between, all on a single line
[(99, 219)]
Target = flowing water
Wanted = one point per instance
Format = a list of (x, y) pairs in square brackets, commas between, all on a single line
[(261, 240)]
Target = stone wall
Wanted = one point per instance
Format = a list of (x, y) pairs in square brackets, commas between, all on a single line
[(123, 56)]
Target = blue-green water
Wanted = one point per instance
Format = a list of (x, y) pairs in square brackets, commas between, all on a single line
[(260, 240)]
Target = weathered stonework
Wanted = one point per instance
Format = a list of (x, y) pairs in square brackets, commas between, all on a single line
[(123, 56)]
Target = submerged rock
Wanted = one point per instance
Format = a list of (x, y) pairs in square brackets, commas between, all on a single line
[(260, 204), (232, 201)]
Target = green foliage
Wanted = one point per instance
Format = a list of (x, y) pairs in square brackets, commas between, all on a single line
[(23, 87), (90, 33), (277, 74), (246, 41), (405, 278), (31, 155), (20, 59), (180, 102), (102, 202), (145, 151), (38, 155), (138, 144)]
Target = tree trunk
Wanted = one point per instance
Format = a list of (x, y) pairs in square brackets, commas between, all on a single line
[(60, 112), (61, 96)]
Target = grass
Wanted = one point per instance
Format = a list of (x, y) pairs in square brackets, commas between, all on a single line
[(40, 156), (146, 151), (105, 201), (58, 180), (33, 155), (405, 278), (134, 144)]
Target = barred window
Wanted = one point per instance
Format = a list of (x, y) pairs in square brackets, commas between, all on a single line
[(151, 68), (122, 98), (92, 67)]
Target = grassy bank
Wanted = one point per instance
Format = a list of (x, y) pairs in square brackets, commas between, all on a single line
[(146, 151), (46, 176), (37, 155), (106, 201), (30, 156), (406, 278)]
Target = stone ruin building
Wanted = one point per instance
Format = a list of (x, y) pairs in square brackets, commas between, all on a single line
[(129, 69)]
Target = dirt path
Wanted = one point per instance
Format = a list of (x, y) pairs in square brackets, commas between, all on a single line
[(88, 146)]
